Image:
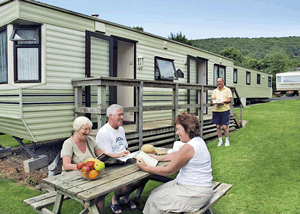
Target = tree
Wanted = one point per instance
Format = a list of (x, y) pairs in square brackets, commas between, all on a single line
[(255, 64), (139, 28), (234, 54), (274, 63), (180, 38), (293, 64)]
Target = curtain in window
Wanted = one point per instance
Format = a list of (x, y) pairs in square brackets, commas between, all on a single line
[(3, 56), (99, 65), (248, 78), (28, 63), (222, 73), (234, 76), (215, 74)]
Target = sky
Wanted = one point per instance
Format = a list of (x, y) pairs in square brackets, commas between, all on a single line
[(196, 19)]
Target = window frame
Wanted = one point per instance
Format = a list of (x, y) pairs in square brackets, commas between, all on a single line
[(218, 73), (248, 72), (20, 46), (277, 78), (269, 81), (156, 66), (4, 29), (258, 79), (235, 73)]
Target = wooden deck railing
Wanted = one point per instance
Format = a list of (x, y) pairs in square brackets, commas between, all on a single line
[(102, 82)]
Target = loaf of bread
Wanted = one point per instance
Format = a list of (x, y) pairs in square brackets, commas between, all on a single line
[(148, 148)]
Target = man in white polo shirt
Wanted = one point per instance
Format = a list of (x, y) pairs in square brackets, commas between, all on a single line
[(112, 140), (221, 112)]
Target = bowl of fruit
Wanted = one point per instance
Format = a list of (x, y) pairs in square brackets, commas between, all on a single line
[(91, 169)]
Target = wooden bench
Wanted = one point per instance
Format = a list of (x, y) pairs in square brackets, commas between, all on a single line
[(38, 203), (220, 190)]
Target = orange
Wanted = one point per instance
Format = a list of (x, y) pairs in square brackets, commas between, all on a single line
[(93, 174)]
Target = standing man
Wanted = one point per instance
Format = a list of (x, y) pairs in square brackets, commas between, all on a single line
[(111, 139), (221, 112)]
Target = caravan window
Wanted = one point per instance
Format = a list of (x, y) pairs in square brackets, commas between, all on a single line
[(279, 79), (290, 79), (219, 71), (248, 78), (164, 69), (3, 56), (258, 78), (27, 53), (235, 71), (269, 81)]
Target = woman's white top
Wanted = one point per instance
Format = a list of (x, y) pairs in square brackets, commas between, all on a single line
[(197, 172)]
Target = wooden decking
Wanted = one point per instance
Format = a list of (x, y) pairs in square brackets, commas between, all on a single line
[(162, 133), (131, 128)]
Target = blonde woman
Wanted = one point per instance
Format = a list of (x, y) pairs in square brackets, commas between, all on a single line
[(80, 147)]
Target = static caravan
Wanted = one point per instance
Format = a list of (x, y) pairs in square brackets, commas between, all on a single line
[(289, 81), (43, 47), (252, 84)]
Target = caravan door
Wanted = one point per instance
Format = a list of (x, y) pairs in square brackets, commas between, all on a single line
[(98, 63), (124, 66)]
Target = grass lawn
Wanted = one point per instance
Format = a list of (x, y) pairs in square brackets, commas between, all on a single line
[(7, 140), (262, 164)]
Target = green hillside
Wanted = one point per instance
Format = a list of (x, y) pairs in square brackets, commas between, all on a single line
[(257, 48)]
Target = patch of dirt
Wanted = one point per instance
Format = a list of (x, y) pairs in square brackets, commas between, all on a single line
[(12, 167)]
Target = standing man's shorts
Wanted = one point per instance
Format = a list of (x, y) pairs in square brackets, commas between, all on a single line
[(221, 118)]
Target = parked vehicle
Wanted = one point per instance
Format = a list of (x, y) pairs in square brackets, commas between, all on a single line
[(288, 83)]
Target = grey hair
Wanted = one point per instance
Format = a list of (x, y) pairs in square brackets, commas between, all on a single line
[(81, 121), (112, 109)]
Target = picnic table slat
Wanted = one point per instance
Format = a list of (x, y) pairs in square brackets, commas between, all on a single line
[(218, 193), (39, 198), (74, 176), (65, 185), (113, 185), (103, 180), (215, 184), (46, 211)]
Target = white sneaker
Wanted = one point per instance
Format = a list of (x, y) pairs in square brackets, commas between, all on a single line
[(227, 143), (220, 143)]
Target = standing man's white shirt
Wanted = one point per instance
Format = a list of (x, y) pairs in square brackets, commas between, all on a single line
[(111, 140)]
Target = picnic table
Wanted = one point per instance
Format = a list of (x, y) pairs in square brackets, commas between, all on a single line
[(72, 185)]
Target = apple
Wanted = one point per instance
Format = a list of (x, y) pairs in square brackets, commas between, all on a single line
[(85, 169), (90, 164), (80, 165)]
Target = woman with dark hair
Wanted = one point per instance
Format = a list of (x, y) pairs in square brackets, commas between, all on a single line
[(192, 187)]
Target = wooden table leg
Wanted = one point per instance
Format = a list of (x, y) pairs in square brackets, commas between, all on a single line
[(93, 209), (93, 206), (85, 211), (58, 203)]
